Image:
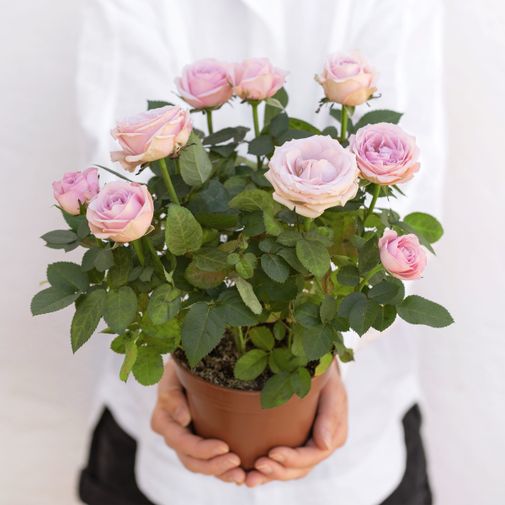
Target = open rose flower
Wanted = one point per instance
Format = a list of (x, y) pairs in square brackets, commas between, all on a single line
[(76, 188), (151, 135), (256, 79), (347, 80), (122, 211), (402, 256), (385, 153), (205, 84), (312, 174)]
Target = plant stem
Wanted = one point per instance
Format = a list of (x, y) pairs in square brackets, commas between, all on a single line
[(375, 195), (139, 251), (239, 340), (307, 224), (256, 123), (343, 124), (147, 241), (168, 181), (210, 127), (368, 276)]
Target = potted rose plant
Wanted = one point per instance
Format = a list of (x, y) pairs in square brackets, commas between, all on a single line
[(247, 257)]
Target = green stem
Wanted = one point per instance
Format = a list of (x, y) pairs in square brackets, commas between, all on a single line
[(343, 124), (240, 340), (307, 224), (256, 123), (368, 276), (375, 195), (147, 241), (168, 181), (210, 127), (139, 251)]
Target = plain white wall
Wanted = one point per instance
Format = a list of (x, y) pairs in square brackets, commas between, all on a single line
[(46, 393)]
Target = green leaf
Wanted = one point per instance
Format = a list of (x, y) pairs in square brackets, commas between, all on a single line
[(233, 311), (307, 314), (88, 259), (289, 238), (248, 296), (389, 290), (194, 162), (300, 382), (369, 255), (183, 233), (300, 124), (67, 276), (279, 331), (281, 359), (162, 304), (272, 225), (59, 237), (251, 365), (86, 318), (166, 336), (418, 310), (236, 134), (262, 337), (119, 272), (148, 367), (202, 330), (277, 390), (261, 146), (275, 267), (113, 172), (279, 124), (245, 265), (274, 102), (425, 225), (378, 116), (324, 363), (156, 104), (120, 308), (313, 256), (270, 110), (385, 317), (51, 300), (346, 305), (131, 353), (202, 279), (363, 315), (211, 260), (104, 259), (348, 275), (316, 341), (253, 199), (328, 309)]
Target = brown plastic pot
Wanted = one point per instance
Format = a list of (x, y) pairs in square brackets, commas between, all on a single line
[(237, 416)]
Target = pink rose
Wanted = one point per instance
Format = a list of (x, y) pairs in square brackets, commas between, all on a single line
[(402, 256), (76, 188), (151, 135), (347, 80), (256, 79), (385, 153), (122, 211), (205, 83), (312, 174)]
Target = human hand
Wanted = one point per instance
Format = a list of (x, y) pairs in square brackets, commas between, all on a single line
[(171, 418), (329, 433)]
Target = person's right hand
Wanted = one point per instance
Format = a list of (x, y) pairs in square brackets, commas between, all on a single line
[(171, 418)]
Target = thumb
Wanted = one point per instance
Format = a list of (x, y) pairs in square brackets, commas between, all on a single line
[(171, 397)]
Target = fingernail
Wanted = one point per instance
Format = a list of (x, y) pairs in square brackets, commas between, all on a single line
[(264, 468), (327, 437), (277, 456), (222, 449), (233, 460), (180, 415)]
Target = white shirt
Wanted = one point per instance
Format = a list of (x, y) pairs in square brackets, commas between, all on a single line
[(132, 51)]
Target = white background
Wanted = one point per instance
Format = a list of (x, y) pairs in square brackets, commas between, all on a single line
[(46, 393)]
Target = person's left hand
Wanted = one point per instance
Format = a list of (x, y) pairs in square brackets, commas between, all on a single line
[(329, 433)]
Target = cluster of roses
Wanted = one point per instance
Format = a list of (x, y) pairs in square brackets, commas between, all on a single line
[(308, 175)]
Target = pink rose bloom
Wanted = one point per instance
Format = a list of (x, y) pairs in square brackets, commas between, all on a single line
[(402, 256), (347, 80), (205, 84), (385, 153), (76, 188), (122, 211), (256, 79), (151, 135), (312, 174)]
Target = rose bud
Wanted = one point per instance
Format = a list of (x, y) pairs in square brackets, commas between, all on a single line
[(310, 175), (151, 135), (256, 79), (385, 153), (122, 212), (205, 84), (402, 256), (76, 188), (347, 80)]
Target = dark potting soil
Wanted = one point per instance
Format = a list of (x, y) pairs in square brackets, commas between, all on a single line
[(217, 367)]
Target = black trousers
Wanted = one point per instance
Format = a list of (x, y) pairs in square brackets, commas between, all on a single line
[(109, 478)]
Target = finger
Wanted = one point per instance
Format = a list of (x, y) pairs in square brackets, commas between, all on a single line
[(255, 478), (183, 441), (171, 396), (330, 426), (215, 466), (299, 457), (274, 471), (235, 475)]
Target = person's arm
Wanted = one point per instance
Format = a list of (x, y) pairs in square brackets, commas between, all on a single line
[(171, 418)]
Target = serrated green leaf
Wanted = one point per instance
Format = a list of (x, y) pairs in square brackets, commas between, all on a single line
[(261, 145), (262, 337), (272, 226), (277, 390), (86, 318), (418, 310), (328, 309), (67, 276), (251, 365), (425, 225), (378, 116), (202, 279), (389, 291), (194, 162), (369, 255), (324, 363), (120, 308), (104, 260), (346, 305), (233, 311), (363, 315), (162, 304), (211, 260), (253, 199), (245, 265), (279, 331), (131, 352), (348, 275), (275, 267), (316, 340), (385, 317), (307, 314), (59, 237), (248, 296), (119, 272), (183, 233), (51, 300), (281, 359), (148, 367), (313, 256), (300, 382)]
